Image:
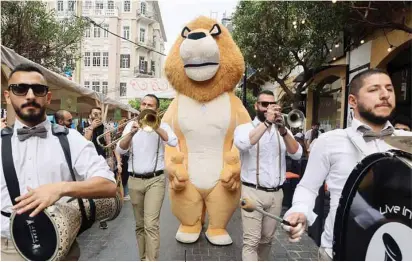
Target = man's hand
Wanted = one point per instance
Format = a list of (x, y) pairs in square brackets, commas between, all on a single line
[(135, 128), (295, 232), (279, 120), (39, 198), (271, 113), (3, 122), (96, 123)]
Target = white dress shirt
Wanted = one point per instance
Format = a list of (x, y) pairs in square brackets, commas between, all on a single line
[(39, 161), (268, 155), (333, 158), (144, 147)]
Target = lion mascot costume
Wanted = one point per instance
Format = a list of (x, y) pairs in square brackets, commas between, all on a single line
[(204, 66)]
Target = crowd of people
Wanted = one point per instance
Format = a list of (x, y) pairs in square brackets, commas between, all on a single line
[(265, 145)]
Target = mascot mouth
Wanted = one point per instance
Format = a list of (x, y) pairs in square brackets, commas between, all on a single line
[(200, 65)]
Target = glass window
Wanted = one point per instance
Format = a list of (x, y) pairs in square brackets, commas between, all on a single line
[(125, 61), (126, 32), (87, 84), (104, 87), (96, 86), (126, 6), (123, 89), (87, 59), (96, 58), (105, 59), (142, 34)]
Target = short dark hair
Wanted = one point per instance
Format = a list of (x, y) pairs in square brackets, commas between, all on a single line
[(96, 107), (402, 119), (155, 97), (25, 67), (265, 92), (59, 115), (315, 123), (357, 81)]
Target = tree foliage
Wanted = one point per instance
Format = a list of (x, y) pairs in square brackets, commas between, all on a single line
[(250, 101), (164, 103), (33, 31)]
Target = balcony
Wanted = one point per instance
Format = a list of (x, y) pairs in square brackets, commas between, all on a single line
[(100, 12), (142, 72), (150, 45), (145, 16)]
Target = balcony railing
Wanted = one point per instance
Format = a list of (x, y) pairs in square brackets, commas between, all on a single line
[(100, 12), (147, 44), (140, 71), (145, 14)]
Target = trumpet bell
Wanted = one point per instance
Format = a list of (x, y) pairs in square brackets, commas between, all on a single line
[(295, 118), (149, 120)]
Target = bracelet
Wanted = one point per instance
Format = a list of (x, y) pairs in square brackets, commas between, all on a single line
[(284, 134)]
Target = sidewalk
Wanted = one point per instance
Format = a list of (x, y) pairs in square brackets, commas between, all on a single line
[(118, 242)]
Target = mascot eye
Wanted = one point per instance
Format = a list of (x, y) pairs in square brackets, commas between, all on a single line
[(185, 32), (215, 31)]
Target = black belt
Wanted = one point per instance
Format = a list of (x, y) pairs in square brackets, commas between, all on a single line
[(5, 214), (273, 189), (147, 175)]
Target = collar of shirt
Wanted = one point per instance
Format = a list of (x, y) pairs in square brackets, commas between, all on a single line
[(357, 123), (46, 123)]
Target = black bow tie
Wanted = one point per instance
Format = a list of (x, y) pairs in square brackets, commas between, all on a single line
[(25, 132), (369, 135)]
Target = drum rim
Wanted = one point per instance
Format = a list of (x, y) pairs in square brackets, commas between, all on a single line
[(347, 195), (47, 213)]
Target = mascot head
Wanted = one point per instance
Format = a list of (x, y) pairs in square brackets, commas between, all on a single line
[(204, 62)]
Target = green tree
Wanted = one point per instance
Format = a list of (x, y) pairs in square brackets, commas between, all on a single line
[(250, 101), (33, 31), (164, 103), (279, 37)]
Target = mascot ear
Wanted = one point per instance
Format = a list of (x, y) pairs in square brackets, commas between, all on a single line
[(215, 31), (185, 32)]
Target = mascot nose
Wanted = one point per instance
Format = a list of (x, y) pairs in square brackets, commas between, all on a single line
[(196, 36)]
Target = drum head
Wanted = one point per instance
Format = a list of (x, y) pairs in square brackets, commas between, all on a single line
[(374, 217), (35, 238)]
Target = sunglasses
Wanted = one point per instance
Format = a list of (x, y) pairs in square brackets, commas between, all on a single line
[(404, 129), (266, 104), (23, 89)]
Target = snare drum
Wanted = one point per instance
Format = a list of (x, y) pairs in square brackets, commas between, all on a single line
[(374, 217)]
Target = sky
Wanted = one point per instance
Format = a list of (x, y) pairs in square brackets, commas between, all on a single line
[(177, 13)]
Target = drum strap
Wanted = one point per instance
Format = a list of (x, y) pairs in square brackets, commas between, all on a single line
[(9, 170), (64, 142)]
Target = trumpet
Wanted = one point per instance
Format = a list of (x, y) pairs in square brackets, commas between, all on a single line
[(295, 118), (148, 120)]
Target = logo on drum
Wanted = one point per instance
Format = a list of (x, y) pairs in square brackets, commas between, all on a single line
[(391, 242), (34, 237)]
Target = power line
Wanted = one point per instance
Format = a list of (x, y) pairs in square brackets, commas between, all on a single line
[(96, 24)]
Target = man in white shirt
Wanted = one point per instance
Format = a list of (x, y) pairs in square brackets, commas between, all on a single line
[(42, 171), (336, 153), (146, 178), (308, 134), (63, 118), (263, 147)]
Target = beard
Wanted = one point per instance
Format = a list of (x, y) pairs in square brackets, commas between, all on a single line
[(31, 116), (261, 115), (372, 117)]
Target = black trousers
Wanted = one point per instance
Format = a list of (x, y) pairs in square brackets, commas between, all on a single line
[(125, 173)]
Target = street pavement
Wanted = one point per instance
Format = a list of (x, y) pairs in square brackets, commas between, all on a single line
[(118, 242)]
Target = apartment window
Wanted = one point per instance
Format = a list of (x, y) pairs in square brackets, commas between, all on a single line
[(88, 5), (123, 89), (153, 67), (72, 5), (87, 32), (141, 63), (87, 84), (87, 59), (126, 32), (99, 5), (126, 6), (96, 86), (142, 33), (105, 59), (124, 61), (110, 5), (106, 30), (96, 58), (143, 8), (96, 31), (104, 87), (59, 5)]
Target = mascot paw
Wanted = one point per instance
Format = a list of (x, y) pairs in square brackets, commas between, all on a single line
[(232, 158), (188, 234), (219, 237)]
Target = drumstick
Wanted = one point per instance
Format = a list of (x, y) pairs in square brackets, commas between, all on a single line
[(249, 206)]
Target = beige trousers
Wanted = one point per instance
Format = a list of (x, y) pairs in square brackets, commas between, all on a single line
[(146, 196), (322, 255), (9, 252), (259, 230)]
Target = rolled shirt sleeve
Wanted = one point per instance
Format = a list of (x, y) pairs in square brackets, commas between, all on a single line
[(172, 141), (241, 137), (88, 163), (298, 154), (126, 130)]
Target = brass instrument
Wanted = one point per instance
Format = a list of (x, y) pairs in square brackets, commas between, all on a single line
[(149, 120), (295, 118)]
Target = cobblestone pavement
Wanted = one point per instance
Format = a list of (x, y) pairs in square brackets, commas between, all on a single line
[(118, 242)]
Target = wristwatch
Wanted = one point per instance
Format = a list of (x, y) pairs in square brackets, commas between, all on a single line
[(285, 133)]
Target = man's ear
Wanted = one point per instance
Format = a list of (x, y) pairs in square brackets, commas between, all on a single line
[(48, 98), (256, 106), (7, 96), (353, 101)]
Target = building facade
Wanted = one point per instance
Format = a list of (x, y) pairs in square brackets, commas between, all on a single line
[(125, 41)]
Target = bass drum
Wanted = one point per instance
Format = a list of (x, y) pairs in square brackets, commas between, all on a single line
[(374, 217)]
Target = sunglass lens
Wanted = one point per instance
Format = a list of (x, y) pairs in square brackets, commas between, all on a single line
[(39, 90), (20, 90)]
